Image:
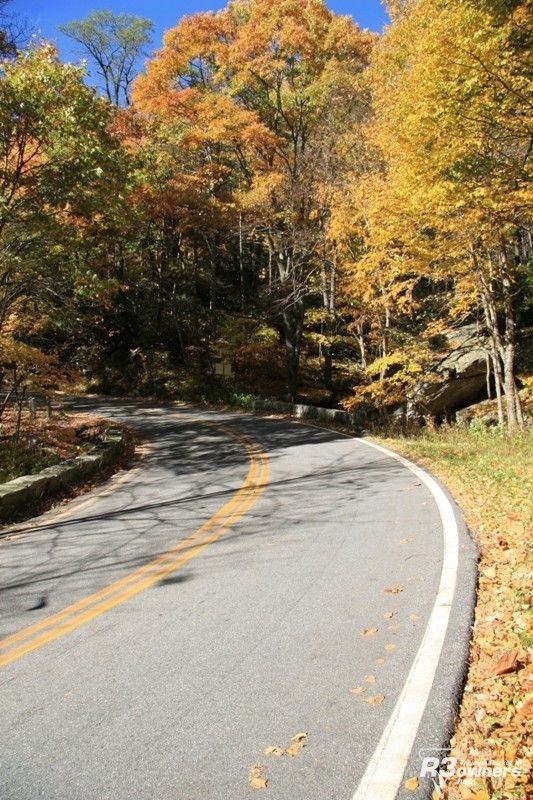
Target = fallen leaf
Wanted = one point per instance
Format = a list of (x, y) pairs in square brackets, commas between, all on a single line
[(510, 752), (394, 589), (256, 778), (368, 631), (297, 742), (414, 578), (394, 627), (409, 540), (412, 784), (523, 715), (374, 699), (507, 663), (390, 646), (388, 614), (380, 661), (358, 690), (413, 617), (275, 750), (466, 792), (370, 678)]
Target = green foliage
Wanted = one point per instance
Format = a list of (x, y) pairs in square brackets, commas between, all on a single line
[(113, 42), (242, 400), (62, 168), (265, 333), (22, 458)]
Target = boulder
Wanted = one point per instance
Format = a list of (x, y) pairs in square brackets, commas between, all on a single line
[(459, 379)]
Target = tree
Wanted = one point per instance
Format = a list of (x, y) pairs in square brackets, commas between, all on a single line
[(114, 43), (254, 86), (7, 46), (451, 201), (61, 166), (14, 31)]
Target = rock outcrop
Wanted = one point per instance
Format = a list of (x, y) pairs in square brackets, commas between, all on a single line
[(457, 380)]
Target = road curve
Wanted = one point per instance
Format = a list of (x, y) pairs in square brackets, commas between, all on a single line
[(157, 636)]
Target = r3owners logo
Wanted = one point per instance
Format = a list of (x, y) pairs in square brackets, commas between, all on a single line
[(441, 766)]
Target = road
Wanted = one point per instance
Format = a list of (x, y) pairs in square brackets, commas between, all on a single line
[(250, 580)]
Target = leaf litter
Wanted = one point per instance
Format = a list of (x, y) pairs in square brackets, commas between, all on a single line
[(394, 589), (374, 699), (296, 745), (368, 631), (256, 778), (490, 478)]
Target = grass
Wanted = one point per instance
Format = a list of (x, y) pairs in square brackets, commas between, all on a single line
[(490, 473), (23, 458), (490, 469)]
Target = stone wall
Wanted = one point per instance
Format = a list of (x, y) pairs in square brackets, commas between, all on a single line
[(24, 495)]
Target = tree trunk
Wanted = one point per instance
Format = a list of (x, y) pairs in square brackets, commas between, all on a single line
[(292, 328), (291, 312), (514, 409), (328, 302), (493, 285)]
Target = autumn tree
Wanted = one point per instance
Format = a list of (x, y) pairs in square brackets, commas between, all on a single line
[(251, 89), (114, 44), (60, 167), (451, 201)]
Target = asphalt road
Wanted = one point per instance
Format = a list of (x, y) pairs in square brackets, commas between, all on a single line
[(161, 633)]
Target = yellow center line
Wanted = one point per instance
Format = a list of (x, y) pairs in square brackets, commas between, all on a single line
[(150, 573), (149, 566)]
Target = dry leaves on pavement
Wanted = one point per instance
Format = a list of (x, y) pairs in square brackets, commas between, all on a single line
[(297, 742), (275, 750), (374, 699), (256, 779), (368, 631), (294, 748)]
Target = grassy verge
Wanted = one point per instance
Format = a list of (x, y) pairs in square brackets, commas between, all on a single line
[(490, 474)]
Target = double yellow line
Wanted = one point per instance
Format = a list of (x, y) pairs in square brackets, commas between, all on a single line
[(40, 633)]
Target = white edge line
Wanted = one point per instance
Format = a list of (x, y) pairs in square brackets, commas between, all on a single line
[(383, 776)]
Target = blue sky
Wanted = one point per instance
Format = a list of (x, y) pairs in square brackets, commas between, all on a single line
[(46, 15)]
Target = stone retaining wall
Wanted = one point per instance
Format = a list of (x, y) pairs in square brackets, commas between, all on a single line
[(309, 412), (22, 496)]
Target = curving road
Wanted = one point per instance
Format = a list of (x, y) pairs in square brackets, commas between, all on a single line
[(226, 595)]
